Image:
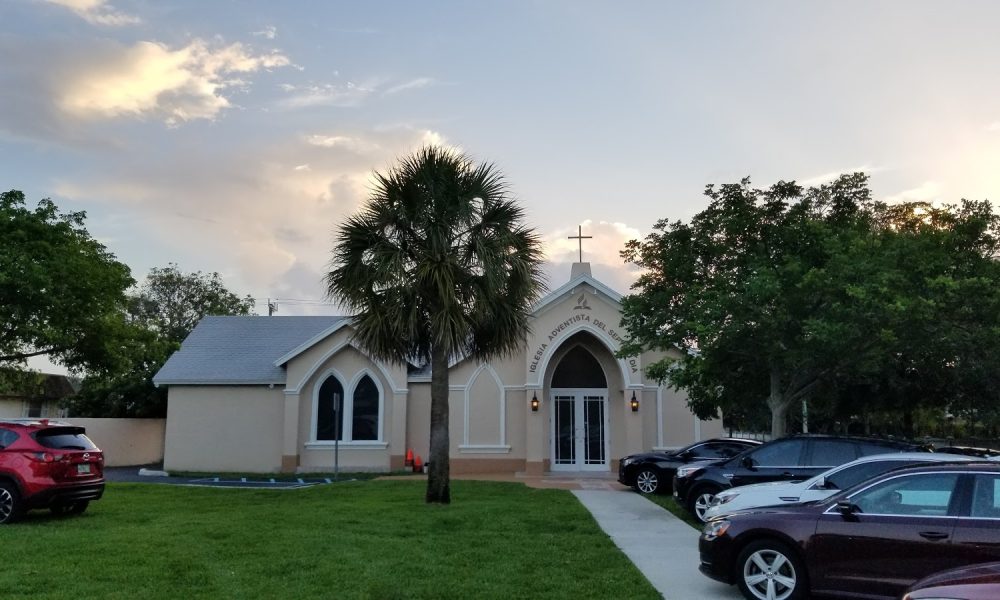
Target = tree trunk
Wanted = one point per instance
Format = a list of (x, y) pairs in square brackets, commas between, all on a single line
[(778, 405), (438, 473)]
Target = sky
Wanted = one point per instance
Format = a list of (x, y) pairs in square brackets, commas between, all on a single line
[(234, 136)]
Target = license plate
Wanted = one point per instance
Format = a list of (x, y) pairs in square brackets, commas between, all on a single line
[(83, 468)]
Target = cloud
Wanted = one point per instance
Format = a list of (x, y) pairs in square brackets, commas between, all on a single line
[(926, 192), (97, 12), (328, 94), (343, 95), (151, 80), (601, 250), (414, 84), (828, 177), (248, 213), (331, 141), (270, 32)]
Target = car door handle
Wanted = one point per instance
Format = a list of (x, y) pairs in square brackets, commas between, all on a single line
[(933, 535), (788, 474)]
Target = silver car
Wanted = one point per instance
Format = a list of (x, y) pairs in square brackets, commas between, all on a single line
[(821, 486)]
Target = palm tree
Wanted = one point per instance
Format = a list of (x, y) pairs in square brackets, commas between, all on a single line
[(437, 266)]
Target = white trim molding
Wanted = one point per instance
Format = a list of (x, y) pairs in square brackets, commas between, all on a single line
[(501, 400), (319, 337), (330, 445), (603, 337), (316, 367), (483, 449), (659, 417), (571, 288), (347, 408)]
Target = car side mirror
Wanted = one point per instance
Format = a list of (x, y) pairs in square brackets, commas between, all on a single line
[(686, 455), (847, 508), (821, 483), (747, 462)]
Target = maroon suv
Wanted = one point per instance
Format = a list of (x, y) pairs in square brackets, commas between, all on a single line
[(47, 464), (868, 542)]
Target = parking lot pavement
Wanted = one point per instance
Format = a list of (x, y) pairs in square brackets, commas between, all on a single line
[(664, 548)]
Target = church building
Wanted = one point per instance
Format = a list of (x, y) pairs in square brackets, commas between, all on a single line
[(295, 394)]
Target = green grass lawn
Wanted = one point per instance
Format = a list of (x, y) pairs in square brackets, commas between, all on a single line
[(369, 539), (670, 503)]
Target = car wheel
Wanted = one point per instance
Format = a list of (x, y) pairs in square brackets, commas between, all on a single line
[(647, 481), (701, 499), (770, 570), (10, 503)]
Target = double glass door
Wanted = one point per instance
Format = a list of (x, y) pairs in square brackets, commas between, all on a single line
[(579, 429)]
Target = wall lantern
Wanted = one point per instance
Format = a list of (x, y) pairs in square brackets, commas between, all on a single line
[(634, 403), (534, 402)]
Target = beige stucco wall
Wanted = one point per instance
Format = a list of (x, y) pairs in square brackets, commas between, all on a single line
[(485, 408), (125, 442), (418, 418), (11, 409), (224, 428)]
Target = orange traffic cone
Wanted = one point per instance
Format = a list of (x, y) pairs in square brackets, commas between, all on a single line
[(409, 458), (418, 465)]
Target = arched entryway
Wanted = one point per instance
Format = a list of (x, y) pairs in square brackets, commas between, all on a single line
[(578, 393)]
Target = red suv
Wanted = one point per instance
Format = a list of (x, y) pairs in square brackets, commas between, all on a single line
[(47, 464)]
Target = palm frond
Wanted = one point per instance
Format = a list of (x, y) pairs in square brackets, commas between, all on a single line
[(438, 258)]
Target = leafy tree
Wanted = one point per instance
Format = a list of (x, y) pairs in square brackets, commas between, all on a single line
[(438, 266), (158, 317), (62, 293), (788, 294), (172, 302)]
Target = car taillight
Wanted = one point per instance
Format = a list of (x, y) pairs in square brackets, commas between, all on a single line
[(45, 457)]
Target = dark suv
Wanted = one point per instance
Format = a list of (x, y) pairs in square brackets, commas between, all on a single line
[(653, 472), (47, 464), (791, 458)]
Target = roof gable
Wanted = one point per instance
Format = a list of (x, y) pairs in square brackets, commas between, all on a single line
[(570, 288), (319, 337)]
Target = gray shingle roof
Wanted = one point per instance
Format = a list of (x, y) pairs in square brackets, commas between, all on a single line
[(239, 350)]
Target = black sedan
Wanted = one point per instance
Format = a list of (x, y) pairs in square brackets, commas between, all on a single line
[(653, 472), (869, 542)]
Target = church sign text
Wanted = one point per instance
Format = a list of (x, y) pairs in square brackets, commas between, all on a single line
[(633, 362)]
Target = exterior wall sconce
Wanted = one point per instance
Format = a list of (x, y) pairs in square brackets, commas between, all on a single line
[(534, 402), (634, 403)]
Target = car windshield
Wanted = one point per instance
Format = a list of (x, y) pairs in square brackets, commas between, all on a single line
[(855, 474)]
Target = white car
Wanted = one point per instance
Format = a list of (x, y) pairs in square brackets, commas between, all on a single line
[(821, 486)]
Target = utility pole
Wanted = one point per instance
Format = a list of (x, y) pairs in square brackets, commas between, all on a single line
[(272, 307)]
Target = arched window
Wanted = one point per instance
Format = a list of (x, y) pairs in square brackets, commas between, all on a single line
[(579, 369), (330, 410), (364, 426), (353, 418)]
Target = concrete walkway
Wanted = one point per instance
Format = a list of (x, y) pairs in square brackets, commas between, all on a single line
[(662, 546)]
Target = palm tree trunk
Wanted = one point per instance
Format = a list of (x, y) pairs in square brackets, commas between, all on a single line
[(438, 473)]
